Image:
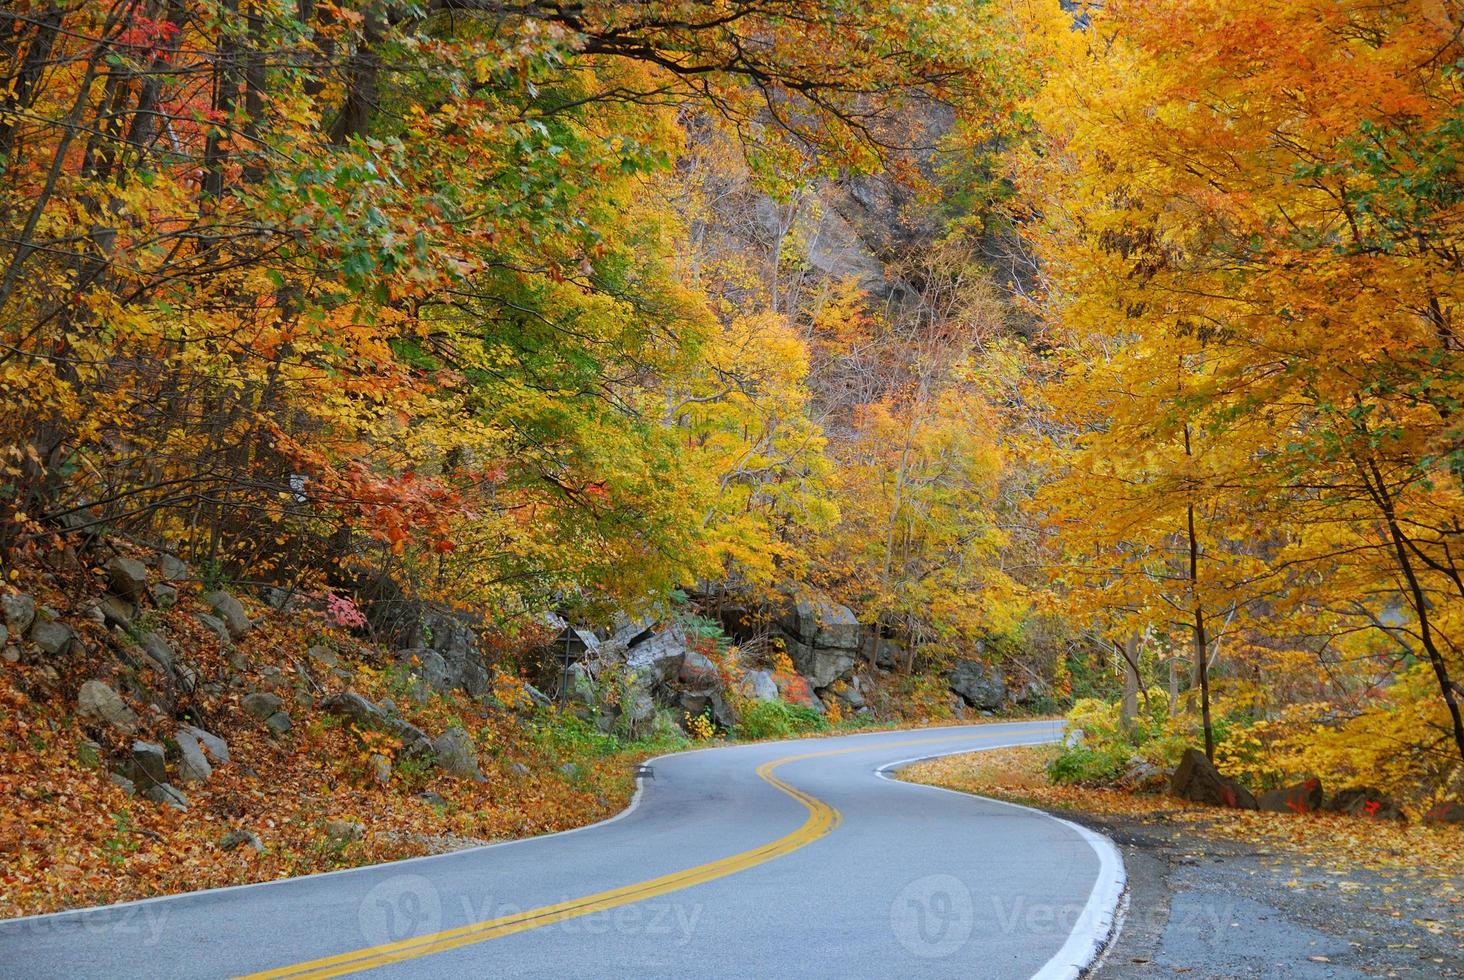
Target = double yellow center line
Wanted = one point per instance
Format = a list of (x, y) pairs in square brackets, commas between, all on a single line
[(822, 818)]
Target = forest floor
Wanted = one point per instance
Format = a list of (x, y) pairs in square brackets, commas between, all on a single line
[(1217, 894), (309, 798)]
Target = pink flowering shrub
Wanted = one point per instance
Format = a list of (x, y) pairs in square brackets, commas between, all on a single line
[(343, 612)]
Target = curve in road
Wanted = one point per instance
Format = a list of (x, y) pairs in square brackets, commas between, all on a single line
[(694, 877)]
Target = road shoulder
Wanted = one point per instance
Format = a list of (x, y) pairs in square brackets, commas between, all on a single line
[(1206, 903)]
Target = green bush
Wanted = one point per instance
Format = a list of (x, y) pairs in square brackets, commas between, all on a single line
[(1107, 744), (1088, 767), (777, 719)]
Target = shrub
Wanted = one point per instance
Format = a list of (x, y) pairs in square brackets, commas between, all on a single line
[(1108, 744), (777, 719), (1084, 766)]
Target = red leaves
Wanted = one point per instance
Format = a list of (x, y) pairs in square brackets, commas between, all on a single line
[(394, 509), (147, 35)]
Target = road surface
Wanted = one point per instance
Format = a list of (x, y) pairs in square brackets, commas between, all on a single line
[(784, 859)]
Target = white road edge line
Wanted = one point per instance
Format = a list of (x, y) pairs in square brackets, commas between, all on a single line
[(1097, 926), (394, 866)]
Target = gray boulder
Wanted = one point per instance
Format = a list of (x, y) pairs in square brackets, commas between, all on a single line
[(428, 670), (146, 766), (217, 748), (168, 794), (97, 702), (261, 704), (822, 666), (759, 685), (186, 675), (19, 611), (457, 754), (268, 708), (344, 831), (157, 650), (978, 685), (323, 655), (822, 638), (193, 765), (635, 711), (354, 707), (455, 660), (123, 783), (54, 639), (173, 568), (217, 627), (231, 611), (698, 673), (164, 596), (851, 693), (241, 838), (660, 657), (115, 611), (711, 703), (127, 579)]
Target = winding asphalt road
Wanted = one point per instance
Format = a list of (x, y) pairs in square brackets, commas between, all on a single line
[(788, 859)]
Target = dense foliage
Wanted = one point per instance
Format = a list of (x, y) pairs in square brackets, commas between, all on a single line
[(1118, 345)]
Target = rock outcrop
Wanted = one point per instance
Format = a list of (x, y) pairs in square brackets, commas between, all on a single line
[(822, 639), (443, 654), (659, 657), (978, 685)]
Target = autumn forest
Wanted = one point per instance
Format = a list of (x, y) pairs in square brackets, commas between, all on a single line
[(1097, 360)]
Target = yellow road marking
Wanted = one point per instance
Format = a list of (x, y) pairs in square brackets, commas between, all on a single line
[(822, 819)]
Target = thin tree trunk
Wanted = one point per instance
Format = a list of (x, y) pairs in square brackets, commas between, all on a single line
[(1416, 597), (1129, 706), (1202, 664)]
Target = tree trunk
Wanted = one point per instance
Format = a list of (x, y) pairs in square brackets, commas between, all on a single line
[(1427, 633), (1202, 645), (1129, 706)]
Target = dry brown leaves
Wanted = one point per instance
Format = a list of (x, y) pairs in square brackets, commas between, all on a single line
[(1328, 841), (69, 837)]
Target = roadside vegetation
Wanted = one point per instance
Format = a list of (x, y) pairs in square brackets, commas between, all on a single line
[(411, 414)]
